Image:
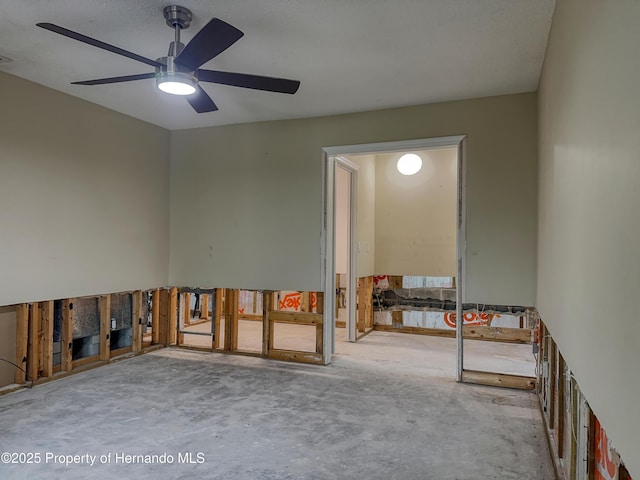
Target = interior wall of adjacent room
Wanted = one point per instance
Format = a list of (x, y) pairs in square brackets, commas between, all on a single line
[(7, 344), (84, 196), (260, 188), (589, 259), (343, 202), (365, 214), (415, 227)]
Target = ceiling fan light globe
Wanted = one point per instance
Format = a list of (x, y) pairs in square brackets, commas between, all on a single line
[(176, 83)]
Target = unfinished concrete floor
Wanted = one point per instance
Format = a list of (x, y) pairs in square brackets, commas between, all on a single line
[(375, 413)]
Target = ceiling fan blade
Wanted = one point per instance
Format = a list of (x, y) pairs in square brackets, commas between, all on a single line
[(201, 102), (126, 78), (97, 43), (244, 80), (214, 38)]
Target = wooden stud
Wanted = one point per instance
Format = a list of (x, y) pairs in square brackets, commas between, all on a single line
[(47, 338), (591, 446), (33, 342), (319, 336), (230, 319), (319, 302), (155, 317), (186, 314), (66, 344), (105, 327), (395, 282), (22, 342), (396, 319), (561, 404), (204, 306), (305, 302), (172, 328), (553, 368), (369, 302), (267, 301), (499, 380), (136, 324), (623, 473), (360, 304), (163, 317), (217, 314), (574, 427), (271, 328), (234, 319)]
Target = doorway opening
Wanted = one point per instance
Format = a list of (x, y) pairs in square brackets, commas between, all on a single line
[(350, 206)]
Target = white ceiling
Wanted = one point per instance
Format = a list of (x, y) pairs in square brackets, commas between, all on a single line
[(350, 55)]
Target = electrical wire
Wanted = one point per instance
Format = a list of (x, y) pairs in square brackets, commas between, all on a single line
[(21, 369)]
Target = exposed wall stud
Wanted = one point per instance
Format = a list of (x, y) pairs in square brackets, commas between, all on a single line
[(33, 343), (47, 338), (105, 327), (66, 361), (22, 336)]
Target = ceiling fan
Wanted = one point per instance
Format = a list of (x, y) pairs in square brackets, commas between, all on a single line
[(179, 73)]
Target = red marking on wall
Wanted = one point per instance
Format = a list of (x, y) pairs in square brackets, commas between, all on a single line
[(477, 319), (314, 301), (381, 281), (605, 466), (291, 301), (241, 311)]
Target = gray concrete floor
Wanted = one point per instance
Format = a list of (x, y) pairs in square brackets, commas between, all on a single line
[(382, 410)]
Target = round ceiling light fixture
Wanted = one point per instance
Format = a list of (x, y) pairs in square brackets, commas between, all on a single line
[(176, 83), (409, 164)]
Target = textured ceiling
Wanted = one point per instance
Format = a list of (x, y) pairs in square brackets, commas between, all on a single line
[(350, 55)]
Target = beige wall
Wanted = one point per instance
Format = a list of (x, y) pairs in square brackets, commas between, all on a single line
[(246, 200), (343, 194), (365, 214), (83, 197), (7, 344), (415, 225), (589, 259)]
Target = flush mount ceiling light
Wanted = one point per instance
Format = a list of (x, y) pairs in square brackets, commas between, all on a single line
[(409, 164), (172, 81), (176, 85)]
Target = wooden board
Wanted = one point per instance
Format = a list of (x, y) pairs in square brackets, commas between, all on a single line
[(298, 318), (498, 334), (136, 324), (172, 326), (105, 327), (66, 347), (491, 334), (267, 300), (22, 341), (46, 345), (295, 356), (217, 314), (561, 403), (163, 317), (155, 316), (33, 342), (499, 380)]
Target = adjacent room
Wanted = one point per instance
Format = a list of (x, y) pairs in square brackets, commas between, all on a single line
[(319, 240)]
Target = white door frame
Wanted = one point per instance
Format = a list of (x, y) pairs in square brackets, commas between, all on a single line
[(352, 276), (330, 155)]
